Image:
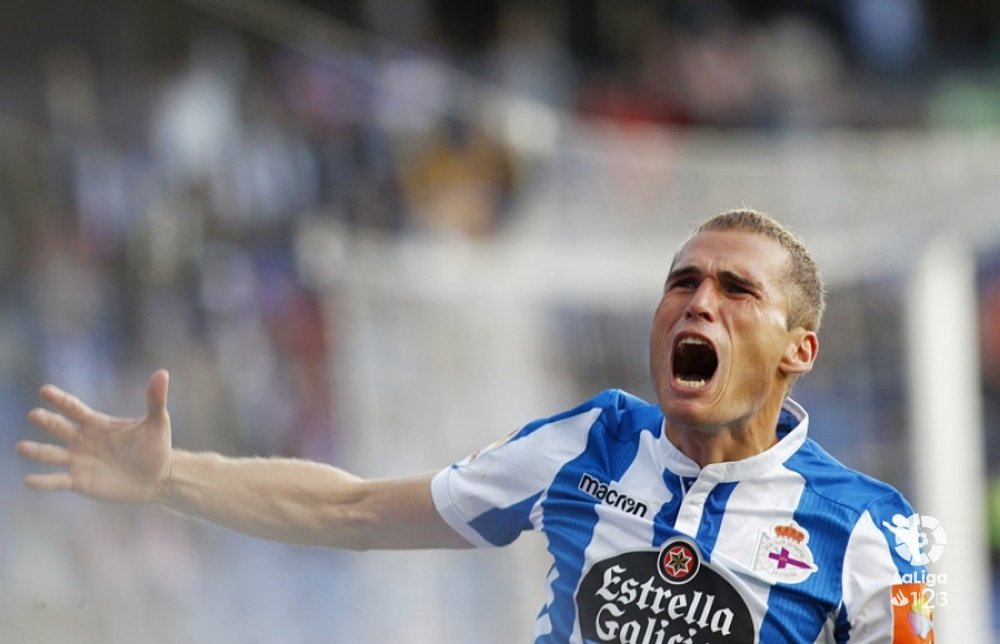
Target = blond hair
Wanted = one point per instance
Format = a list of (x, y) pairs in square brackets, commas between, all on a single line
[(807, 299)]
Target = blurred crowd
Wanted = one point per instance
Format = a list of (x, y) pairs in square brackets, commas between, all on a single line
[(156, 161)]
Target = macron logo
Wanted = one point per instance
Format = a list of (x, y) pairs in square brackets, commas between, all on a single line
[(610, 495)]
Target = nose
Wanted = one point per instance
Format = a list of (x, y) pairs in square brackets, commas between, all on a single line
[(703, 302)]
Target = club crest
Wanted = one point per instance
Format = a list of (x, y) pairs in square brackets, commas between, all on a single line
[(783, 554)]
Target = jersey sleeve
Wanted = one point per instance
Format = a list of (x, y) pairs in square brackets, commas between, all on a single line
[(495, 494), (885, 599)]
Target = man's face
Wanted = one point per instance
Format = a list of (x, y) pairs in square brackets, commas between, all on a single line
[(720, 349)]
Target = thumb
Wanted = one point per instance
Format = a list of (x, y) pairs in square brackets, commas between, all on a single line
[(156, 394)]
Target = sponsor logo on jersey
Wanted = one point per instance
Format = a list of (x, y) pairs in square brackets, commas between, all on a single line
[(611, 495), (783, 554), (912, 615), (664, 596)]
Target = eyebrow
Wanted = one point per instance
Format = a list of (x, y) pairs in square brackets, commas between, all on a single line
[(740, 280), (724, 275), (686, 271)]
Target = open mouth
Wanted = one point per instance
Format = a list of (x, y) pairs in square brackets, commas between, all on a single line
[(694, 362)]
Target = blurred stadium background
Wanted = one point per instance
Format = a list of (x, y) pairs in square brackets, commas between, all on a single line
[(385, 234)]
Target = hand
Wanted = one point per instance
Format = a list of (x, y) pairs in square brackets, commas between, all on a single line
[(105, 457)]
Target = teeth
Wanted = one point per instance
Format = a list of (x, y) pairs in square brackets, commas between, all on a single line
[(691, 381)]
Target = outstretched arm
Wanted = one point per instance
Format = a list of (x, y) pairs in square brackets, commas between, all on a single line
[(297, 501)]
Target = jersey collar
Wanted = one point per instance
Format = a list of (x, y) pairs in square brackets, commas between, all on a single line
[(792, 429)]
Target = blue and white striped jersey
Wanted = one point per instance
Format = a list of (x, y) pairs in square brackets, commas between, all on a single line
[(649, 548)]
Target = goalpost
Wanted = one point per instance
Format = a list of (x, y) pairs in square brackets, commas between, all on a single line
[(946, 443)]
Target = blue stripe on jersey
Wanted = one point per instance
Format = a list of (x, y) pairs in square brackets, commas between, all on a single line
[(609, 400), (601, 400), (831, 503), (842, 632), (823, 513), (501, 526), (663, 524), (884, 510), (608, 455), (711, 517)]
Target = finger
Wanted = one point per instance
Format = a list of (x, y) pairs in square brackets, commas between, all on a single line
[(43, 453), (66, 403), (57, 482), (156, 394), (56, 425)]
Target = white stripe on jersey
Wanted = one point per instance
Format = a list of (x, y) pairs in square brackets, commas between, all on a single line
[(867, 604), (754, 506), (541, 455)]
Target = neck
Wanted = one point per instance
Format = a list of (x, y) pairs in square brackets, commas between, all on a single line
[(731, 442)]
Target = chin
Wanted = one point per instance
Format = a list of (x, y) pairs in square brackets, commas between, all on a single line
[(691, 414)]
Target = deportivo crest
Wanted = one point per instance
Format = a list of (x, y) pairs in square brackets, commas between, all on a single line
[(657, 596), (783, 554)]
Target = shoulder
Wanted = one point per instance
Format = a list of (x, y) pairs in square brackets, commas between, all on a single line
[(853, 514), (845, 491), (624, 415), (617, 412)]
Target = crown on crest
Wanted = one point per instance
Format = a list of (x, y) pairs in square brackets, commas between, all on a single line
[(790, 532)]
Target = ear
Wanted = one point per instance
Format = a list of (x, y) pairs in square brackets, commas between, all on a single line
[(803, 347)]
